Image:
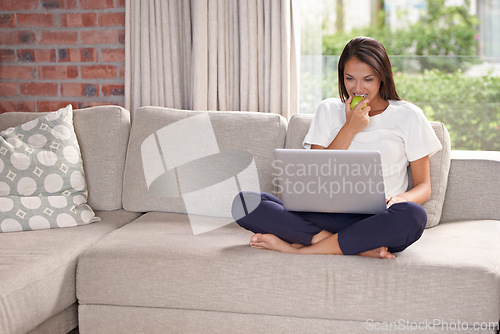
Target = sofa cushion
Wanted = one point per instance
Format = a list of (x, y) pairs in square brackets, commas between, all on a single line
[(156, 262), (38, 269), (474, 173), (102, 133), (197, 161), (439, 162), (43, 183)]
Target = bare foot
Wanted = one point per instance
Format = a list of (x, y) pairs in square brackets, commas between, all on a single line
[(271, 242), (320, 236), (316, 238), (379, 253)]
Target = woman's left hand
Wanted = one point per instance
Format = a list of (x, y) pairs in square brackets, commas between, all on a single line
[(394, 199)]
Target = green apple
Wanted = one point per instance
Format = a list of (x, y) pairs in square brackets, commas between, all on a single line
[(355, 100)]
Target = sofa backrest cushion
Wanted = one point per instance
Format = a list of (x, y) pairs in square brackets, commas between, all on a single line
[(102, 133), (439, 162), (473, 186), (171, 156)]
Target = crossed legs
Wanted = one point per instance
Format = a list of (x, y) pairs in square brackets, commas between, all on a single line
[(319, 233), (326, 243)]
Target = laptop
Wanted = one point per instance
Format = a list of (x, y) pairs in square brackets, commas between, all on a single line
[(329, 180)]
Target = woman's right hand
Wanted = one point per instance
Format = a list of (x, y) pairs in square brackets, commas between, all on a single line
[(358, 118)]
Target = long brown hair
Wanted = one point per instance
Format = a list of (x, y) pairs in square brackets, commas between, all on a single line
[(371, 52)]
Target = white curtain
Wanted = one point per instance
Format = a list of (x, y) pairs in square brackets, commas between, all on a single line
[(212, 55)]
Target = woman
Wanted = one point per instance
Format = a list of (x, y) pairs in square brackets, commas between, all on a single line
[(382, 122)]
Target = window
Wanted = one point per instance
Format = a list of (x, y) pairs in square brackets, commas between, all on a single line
[(445, 56)]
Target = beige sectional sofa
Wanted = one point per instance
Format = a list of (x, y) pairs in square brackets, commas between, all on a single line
[(144, 269)]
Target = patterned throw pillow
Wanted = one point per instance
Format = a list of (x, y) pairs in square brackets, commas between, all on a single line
[(42, 182)]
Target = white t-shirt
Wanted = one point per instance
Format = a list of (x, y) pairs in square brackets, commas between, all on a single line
[(401, 134)]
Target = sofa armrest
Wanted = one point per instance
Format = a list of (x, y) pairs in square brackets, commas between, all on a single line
[(473, 191)]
